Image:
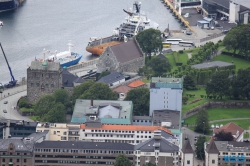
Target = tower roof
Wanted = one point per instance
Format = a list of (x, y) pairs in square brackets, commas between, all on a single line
[(211, 148), (187, 148)]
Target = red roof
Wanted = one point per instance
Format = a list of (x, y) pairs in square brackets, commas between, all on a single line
[(230, 127), (122, 89), (136, 84), (130, 128)]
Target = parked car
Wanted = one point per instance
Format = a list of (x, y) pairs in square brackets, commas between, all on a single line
[(4, 111), (90, 71), (223, 19), (5, 102), (188, 33), (212, 28)]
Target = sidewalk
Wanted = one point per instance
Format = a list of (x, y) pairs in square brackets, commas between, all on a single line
[(12, 91)]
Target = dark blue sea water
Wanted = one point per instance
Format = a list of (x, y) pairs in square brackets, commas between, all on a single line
[(50, 24)]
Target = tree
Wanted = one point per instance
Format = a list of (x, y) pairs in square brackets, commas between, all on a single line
[(56, 114), (80, 89), (104, 73), (150, 41), (22, 102), (201, 124), (159, 66), (219, 85), (61, 95), (99, 91), (189, 83), (224, 136), (122, 160), (44, 104), (149, 164), (140, 99), (200, 147)]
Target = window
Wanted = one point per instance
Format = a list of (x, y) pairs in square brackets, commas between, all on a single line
[(54, 132), (213, 161), (3, 160), (188, 162)]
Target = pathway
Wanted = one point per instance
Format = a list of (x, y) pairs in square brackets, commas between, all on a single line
[(189, 55), (222, 120)]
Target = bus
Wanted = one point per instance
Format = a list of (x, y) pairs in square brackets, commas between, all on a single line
[(173, 41), (166, 44), (186, 43)]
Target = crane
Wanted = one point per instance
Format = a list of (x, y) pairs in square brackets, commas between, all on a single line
[(13, 80)]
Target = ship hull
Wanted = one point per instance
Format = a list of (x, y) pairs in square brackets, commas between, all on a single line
[(98, 49), (73, 62), (10, 5)]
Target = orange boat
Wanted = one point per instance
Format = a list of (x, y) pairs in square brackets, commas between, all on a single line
[(97, 46)]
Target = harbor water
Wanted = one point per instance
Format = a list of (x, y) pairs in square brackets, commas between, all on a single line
[(50, 24)]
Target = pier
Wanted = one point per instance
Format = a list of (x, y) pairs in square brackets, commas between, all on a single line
[(176, 13)]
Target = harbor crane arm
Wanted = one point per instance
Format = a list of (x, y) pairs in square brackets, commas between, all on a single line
[(13, 81)]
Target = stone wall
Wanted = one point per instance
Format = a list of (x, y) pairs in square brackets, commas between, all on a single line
[(83, 64), (215, 104), (108, 61), (131, 66)]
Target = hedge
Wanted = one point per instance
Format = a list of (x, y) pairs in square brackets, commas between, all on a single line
[(235, 55), (176, 59)]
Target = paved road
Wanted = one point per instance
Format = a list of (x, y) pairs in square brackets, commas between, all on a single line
[(12, 95)]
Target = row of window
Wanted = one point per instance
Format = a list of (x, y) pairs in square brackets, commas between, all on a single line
[(74, 162), (82, 157), (83, 151), (13, 160), (42, 85), (119, 131), (15, 154)]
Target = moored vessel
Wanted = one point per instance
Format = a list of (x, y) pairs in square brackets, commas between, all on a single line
[(66, 58), (6, 5), (135, 22)]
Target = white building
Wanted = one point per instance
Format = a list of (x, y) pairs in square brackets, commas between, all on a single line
[(165, 93), (187, 154)]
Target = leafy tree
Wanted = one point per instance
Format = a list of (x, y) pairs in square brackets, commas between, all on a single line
[(56, 114), (150, 41), (200, 147), (104, 73), (159, 66), (149, 164), (202, 125), (44, 104), (61, 95), (99, 91), (189, 83), (224, 136), (80, 89), (122, 160), (22, 102), (140, 99), (219, 85)]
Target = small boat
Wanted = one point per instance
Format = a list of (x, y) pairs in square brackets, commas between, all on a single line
[(1, 23), (66, 58)]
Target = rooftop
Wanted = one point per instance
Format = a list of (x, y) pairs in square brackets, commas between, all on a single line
[(232, 146), (68, 79), (212, 64), (212, 148), (168, 118), (85, 145), (187, 148), (18, 122), (122, 89), (109, 111), (127, 51), (230, 127), (51, 66), (136, 84), (111, 78), (166, 82)]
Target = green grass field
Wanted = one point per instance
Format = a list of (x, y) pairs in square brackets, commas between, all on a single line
[(183, 58), (239, 63), (222, 113)]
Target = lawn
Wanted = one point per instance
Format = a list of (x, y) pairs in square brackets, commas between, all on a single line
[(246, 135), (222, 113), (170, 57), (183, 58), (239, 63)]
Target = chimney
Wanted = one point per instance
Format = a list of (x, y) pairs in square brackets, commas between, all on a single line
[(91, 102)]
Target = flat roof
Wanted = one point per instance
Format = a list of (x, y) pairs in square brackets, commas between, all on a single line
[(165, 115), (166, 82), (83, 110), (212, 64)]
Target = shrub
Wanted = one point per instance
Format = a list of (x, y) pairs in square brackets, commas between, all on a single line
[(22, 102), (184, 99), (180, 51)]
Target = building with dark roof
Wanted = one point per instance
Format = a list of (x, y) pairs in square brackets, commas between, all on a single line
[(125, 57), (157, 150), (80, 153), (187, 154), (70, 80), (112, 79)]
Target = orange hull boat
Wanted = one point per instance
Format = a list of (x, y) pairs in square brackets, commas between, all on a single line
[(98, 49)]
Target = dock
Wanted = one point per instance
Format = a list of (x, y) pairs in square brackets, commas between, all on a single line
[(176, 13)]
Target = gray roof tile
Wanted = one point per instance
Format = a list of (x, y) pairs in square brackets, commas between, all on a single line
[(111, 78), (187, 148)]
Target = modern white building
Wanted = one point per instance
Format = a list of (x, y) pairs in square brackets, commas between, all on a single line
[(165, 93)]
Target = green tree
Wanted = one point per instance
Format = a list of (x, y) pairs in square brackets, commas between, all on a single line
[(122, 160), (150, 41), (22, 102), (140, 99), (149, 164), (241, 84), (104, 73), (189, 83), (159, 66), (200, 147), (99, 91), (80, 89), (56, 114), (61, 95), (43, 105), (219, 85), (202, 124), (224, 136)]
